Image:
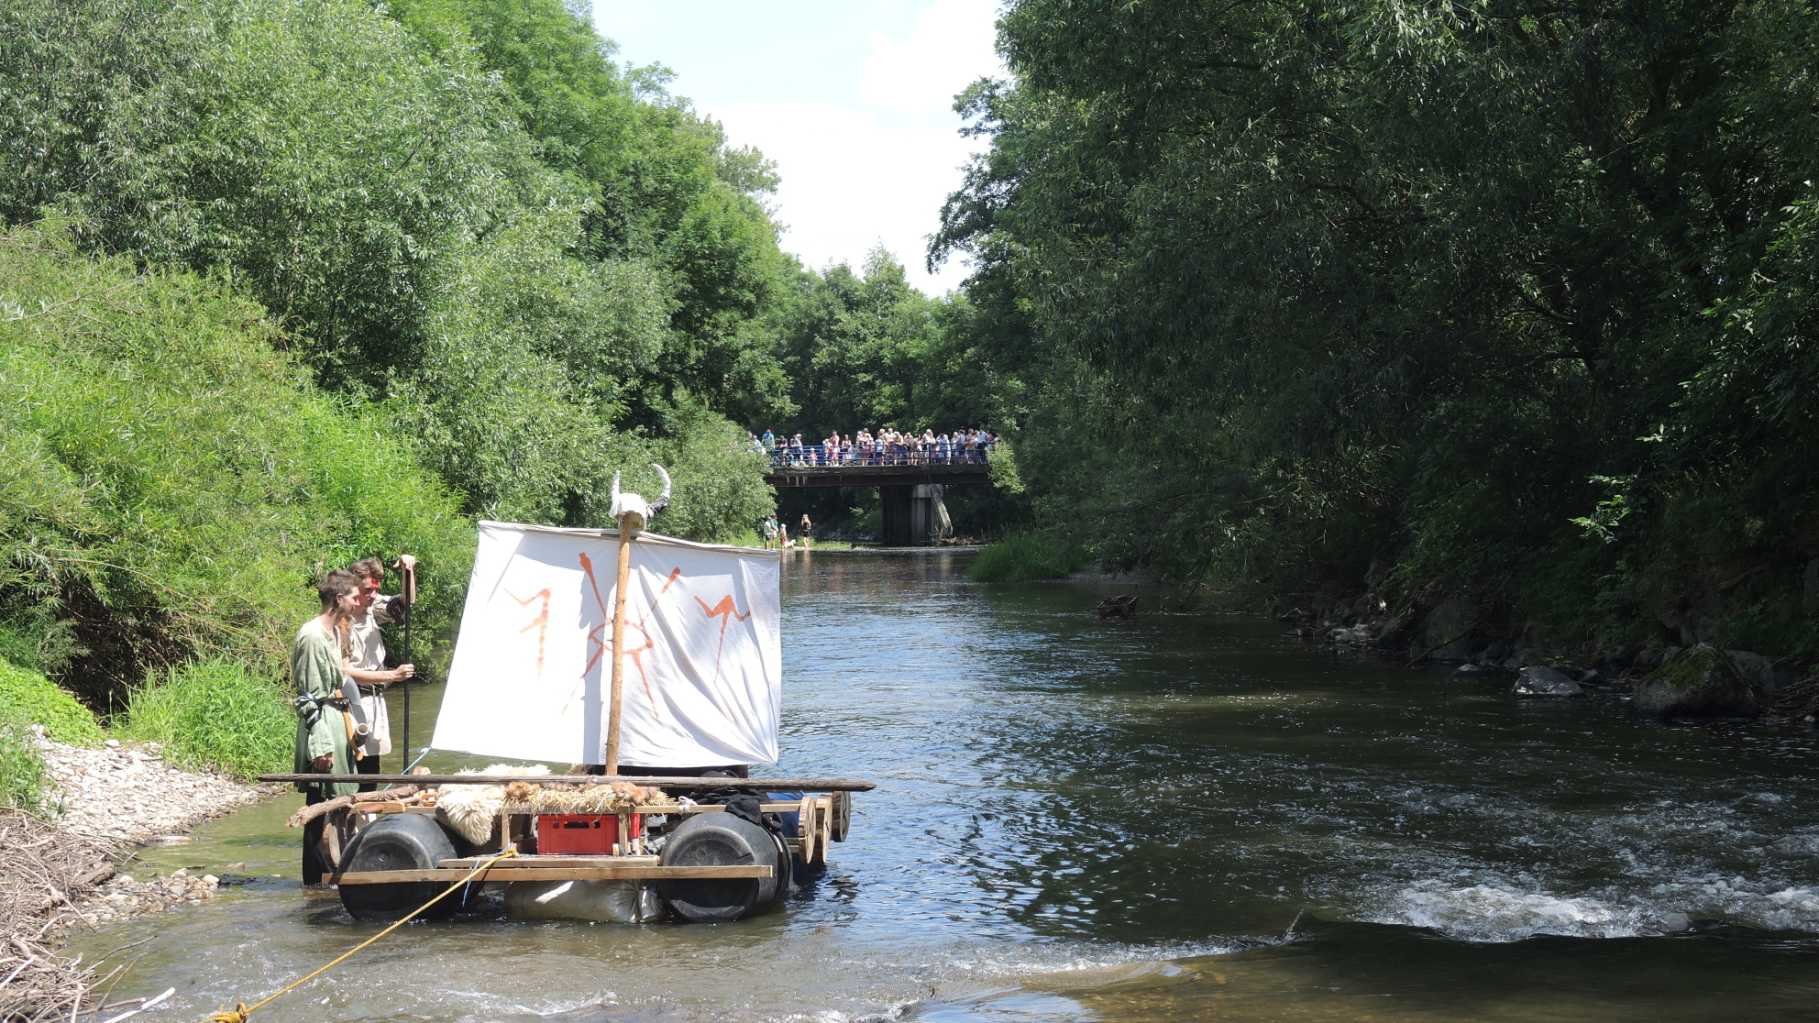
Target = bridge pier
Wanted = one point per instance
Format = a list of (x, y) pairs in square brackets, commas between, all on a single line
[(910, 496), (912, 513)]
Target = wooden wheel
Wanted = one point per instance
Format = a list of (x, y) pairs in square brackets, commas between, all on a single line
[(337, 834), (808, 829), (841, 820)]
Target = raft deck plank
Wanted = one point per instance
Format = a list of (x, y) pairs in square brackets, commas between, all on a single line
[(646, 781), (529, 862), (494, 875), (664, 809)]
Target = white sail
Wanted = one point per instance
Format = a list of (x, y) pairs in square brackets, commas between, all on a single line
[(532, 672)]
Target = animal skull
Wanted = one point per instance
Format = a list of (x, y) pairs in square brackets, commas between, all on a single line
[(637, 507)]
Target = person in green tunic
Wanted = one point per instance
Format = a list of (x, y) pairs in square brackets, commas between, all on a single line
[(318, 660)]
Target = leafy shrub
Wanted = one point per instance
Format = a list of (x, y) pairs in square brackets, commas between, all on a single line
[(1026, 556), (34, 637), (28, 697), (719, 483), (22, 782), (215, 714), (169, 479)]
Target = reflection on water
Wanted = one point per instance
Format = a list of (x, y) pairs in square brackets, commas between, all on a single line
[(1083, 820)]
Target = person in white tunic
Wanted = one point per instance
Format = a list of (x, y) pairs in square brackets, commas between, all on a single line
[(367, 675)]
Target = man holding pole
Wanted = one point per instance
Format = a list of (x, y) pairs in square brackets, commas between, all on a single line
[(367, 675)]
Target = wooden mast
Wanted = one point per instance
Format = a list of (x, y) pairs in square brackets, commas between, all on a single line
[(627, 531)]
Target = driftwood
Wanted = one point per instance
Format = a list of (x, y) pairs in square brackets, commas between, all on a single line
[(310, 813), (47, 871)]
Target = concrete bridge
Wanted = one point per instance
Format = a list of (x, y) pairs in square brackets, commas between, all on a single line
[(910, 495)]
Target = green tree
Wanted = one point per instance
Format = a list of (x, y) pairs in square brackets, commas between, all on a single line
[(169, 481), (1365, 294), (663, 186)]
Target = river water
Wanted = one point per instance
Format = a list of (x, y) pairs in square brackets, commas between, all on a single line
[(1185, 816)]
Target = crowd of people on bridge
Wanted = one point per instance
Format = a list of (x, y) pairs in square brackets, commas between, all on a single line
[(886, 447)]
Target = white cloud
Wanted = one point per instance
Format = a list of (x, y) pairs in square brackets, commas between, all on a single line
[(948, 47), (854, 103), (851, 182), (876, 167)]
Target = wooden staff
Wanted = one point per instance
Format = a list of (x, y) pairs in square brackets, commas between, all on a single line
[(410, 597), (627, 531)]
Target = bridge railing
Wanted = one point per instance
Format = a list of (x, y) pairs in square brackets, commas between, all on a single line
[(819, 456)]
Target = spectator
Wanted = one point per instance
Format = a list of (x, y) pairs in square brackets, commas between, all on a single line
[(367, 675)]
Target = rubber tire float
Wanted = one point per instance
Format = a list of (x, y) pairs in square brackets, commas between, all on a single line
[(722, 840), (400, 841)]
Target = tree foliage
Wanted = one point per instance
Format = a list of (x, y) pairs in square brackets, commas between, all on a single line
[(500, 258), (1378, 294), (169, 481), (663, 188)]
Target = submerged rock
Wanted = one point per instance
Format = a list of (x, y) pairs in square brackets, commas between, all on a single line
[(1538, 680), (1446, 633), (1698, 682), (1757, 670)]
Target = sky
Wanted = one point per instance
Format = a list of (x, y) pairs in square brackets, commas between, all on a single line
[(852, 100)]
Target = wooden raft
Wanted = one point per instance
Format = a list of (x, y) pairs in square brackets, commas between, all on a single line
[(821, 819)]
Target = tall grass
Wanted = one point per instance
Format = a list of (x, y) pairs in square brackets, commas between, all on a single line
[(1026, 556), (27, 697), (215, 715)]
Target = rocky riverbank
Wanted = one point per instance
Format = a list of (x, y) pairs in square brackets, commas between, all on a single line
[(65, 869), (1666, 681)]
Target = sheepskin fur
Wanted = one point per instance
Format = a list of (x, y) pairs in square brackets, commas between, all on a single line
[(471, 811), (618, 797)]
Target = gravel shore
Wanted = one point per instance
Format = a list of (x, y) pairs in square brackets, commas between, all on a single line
[(60, 871), (122, 792), (123, 795)]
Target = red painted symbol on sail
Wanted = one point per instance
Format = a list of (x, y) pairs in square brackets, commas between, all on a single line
[(727, 613), (596, 645), (637, 653), (599, 645), (540, 623)]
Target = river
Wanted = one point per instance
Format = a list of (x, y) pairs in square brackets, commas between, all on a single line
[(1180, 817)]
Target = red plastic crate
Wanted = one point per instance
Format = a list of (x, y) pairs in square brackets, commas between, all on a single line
[(591, 834)]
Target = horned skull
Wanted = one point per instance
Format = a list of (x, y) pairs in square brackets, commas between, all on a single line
[(634, 505)]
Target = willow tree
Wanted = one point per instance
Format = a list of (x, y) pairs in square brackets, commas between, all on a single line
[(1384, 294)]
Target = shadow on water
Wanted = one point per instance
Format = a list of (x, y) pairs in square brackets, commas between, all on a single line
[(1086, 820)]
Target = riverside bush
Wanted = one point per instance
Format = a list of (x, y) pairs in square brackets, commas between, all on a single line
[(21, 767), (1026, 556), (170, 480), (215, 714), (28, 697)]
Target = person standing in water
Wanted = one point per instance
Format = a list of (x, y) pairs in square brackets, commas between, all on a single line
[(367, 675), (318, 655)]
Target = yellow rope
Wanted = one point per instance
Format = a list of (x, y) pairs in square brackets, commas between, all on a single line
[(239, 1012)]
